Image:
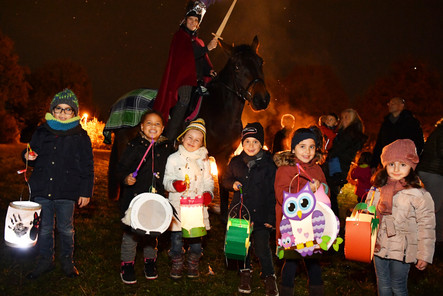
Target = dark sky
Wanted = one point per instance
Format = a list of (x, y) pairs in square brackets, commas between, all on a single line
[(124, 44)]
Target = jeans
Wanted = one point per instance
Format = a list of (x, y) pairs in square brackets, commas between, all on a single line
[(260, 242), (129, 246), (195, 244), (392, 276), (289, 271), (63, 211)]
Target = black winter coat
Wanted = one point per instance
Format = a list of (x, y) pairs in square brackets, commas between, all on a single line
[(431, 159), (346, 145), (406, 127), (64, 168), (129, 161), (258, 187)]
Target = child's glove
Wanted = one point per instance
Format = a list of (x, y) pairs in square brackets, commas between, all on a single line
[(207, 198), (180, 186)]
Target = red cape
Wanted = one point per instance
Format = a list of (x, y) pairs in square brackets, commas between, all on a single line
[(180, 70)]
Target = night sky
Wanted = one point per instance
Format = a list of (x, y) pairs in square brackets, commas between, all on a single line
[(124, 44)]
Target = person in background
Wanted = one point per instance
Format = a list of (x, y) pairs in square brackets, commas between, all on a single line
[(281, 138), (349, 140), (254, 171), (406, 233), (400, 123), (63, 176), (430, 170), (187, 72), (188, 177), (362, 173), (328, 125), (149, 177)]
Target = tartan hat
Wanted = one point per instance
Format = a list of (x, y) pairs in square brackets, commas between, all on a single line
[(198, 124)]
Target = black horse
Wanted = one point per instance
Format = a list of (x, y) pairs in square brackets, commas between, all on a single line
[(240, 80)]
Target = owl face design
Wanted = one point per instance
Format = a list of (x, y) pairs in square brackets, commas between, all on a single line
[(298, 206), (287, 240)]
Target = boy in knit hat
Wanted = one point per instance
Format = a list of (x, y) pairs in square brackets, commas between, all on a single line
[(190, 184), (254, 171), (63, 176)]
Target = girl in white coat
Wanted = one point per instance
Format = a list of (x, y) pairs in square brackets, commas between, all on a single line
[(190, 184)]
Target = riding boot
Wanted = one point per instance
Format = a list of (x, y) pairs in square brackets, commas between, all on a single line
[(174, 126)]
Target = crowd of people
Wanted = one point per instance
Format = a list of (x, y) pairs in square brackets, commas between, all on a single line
[(330, 154)]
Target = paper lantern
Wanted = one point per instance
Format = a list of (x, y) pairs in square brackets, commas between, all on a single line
[(22, 223), (150, 213), (360, 234), (238, 233), (191, 216)]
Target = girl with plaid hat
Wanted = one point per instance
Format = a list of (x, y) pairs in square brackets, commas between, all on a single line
[(407, 222), (189, 182)]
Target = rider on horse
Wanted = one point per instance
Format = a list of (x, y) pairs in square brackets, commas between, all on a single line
[(187, 71)]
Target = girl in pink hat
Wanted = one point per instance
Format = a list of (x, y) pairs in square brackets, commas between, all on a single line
[(407, 222)]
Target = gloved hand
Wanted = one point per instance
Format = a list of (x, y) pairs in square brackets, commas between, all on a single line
[(180, 186), (207, 198)]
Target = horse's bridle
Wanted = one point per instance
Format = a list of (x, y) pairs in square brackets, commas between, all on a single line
[(243, 93)]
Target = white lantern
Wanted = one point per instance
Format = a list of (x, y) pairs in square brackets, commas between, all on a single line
[(22, 223)]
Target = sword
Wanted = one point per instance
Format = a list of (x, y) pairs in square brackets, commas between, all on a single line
[(225, 20)]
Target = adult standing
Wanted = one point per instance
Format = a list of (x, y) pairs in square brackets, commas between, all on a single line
[(430, 170), (400, 123), (349, 140), (187, 71), (281, 138)]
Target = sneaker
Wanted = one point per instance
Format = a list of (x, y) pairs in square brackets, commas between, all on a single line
[(177, 267), (271, 286), (43, 266), (150, 269), (127, 272), (245, 281)]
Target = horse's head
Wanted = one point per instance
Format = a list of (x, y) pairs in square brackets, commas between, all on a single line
[(246, 68)]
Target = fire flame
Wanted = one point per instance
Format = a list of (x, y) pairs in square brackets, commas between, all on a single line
[(214, 170)]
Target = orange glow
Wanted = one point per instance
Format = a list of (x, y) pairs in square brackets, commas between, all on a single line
[(214, 170)]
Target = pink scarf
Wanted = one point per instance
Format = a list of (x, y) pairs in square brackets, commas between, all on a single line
[(387, 193)]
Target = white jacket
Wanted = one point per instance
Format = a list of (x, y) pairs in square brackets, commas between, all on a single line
[(196, 166)]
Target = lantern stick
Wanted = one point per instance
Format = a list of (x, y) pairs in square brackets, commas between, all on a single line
[(134, 174)]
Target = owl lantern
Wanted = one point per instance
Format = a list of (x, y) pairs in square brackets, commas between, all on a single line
[(308, 225)]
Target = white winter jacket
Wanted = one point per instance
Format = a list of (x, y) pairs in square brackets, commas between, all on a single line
[(413, 224), (196, 166)]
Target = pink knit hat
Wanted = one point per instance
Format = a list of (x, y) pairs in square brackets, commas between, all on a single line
[(401, 150)]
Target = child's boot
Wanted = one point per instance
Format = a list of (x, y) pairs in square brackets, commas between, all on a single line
[(43, 265), (177, 267), (150, 269), (127, 272), (193, 260), (68, 267), (271, 286), (245, 281)]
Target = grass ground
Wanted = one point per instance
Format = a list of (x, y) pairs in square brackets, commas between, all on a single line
[(97, 254)]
